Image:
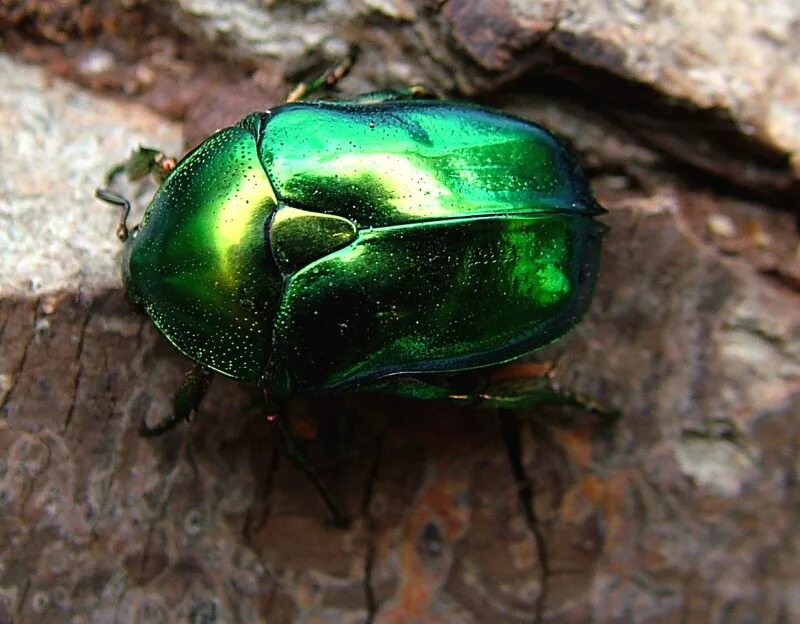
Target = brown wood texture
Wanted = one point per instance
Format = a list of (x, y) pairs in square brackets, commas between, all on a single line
[(684, 512)]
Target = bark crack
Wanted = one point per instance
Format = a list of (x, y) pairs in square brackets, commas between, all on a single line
[(17, 370), (161, 506), (23, 597), (510, 430), (78, 374), (4, 324), (255, 521), (273, 592), (146, 552), (371, 524)]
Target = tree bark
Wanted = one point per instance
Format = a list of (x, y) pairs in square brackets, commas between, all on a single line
[(688, 118)]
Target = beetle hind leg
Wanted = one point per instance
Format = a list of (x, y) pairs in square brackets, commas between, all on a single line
[(184, 404), (523, 393), (530, 393)]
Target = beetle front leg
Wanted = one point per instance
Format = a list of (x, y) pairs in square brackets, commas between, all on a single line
[(142, 162), (184, 404)]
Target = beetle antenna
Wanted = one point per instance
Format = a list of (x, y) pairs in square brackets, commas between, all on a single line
[(116, 199)]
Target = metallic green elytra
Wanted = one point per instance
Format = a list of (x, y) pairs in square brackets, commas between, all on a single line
[(323, 246)]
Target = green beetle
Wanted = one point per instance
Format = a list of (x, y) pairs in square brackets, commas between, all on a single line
[(379, 243)]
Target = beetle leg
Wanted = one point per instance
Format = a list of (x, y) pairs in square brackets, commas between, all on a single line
[(413, 92), (529, 393), (325, 80), (518, 394), (184, 403), (291, 449), (142, 162)]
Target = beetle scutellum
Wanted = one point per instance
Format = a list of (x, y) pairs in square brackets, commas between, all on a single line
[(368, 244)]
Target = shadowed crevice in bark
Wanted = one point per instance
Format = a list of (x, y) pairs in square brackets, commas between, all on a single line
[(79, 372), (19, 367), (371, 526), (510, 430), (256, 519), (22, 600), (705, 148)]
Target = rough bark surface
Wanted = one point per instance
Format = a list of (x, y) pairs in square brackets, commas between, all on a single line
[(688, 115)]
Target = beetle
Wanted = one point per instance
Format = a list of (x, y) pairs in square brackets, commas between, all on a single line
[(381, 243)]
